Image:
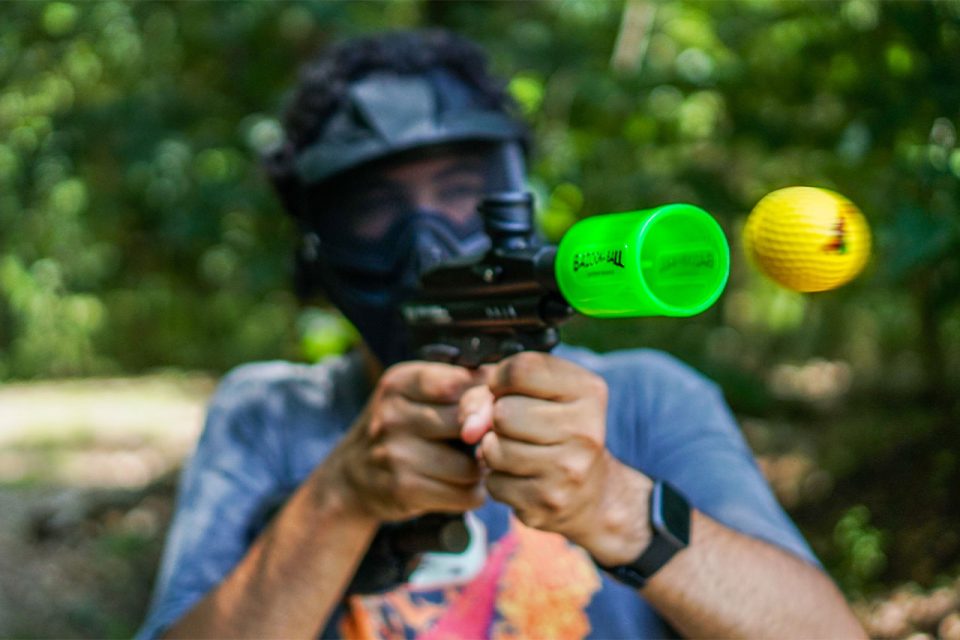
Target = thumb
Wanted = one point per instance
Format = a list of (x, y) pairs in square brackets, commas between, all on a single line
[(475, 413)]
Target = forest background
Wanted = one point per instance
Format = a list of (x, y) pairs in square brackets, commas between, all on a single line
[(142, 255)]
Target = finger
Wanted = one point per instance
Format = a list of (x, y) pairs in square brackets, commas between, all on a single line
[(540, 375), (432, 382), (429, 421), (436, 496), (531, 420), (516, 458), (524, 495), (475, 414), (440, 462)]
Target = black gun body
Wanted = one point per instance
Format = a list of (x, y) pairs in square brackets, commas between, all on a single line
[(482, 311)]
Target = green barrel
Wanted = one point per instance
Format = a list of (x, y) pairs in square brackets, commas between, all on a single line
[(672, 260)]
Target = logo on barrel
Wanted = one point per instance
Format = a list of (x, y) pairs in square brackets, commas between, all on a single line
[(591, 259)]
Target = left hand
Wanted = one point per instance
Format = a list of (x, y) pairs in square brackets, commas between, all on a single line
[(544, 447)]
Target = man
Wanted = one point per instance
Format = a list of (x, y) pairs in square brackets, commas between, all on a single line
[(630, 461)]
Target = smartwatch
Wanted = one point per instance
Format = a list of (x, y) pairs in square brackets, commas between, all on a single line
[(669, 516)]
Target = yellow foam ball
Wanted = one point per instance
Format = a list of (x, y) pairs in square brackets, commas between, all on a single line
[(807, 239)]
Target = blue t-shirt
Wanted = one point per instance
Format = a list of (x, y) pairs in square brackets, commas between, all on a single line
[(270, 424)]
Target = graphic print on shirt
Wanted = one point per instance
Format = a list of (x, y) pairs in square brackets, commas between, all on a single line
[(534, 584)]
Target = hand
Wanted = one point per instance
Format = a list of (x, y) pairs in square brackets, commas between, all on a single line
[(396, 461), (547, 457)]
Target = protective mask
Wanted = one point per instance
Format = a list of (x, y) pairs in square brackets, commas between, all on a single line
[(367, 255), (368, 280)]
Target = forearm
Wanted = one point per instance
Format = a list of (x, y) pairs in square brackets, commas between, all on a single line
[(726, 584), (293, 575)]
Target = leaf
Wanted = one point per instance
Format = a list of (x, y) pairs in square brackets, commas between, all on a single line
[(919, 240)]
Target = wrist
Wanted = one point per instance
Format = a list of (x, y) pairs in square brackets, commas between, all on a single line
[(620, 528), (333, 487), (670, 519)]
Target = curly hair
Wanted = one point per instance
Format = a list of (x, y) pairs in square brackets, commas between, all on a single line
[(324, 82)]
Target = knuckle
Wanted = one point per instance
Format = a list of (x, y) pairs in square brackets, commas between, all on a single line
[(495, 462), (392, 376), (393, 456), (597, 387), (553, 501), (587, 425), (519, 367), (386, 416), (445, 387), (382, 456), (532, 517), (575, 469), (486, 449), (394, 414), (403, 487), (501, 410), (422, 380), (374, 428), (590, 443)]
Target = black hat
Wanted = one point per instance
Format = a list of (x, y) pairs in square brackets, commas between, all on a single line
[(388, 112)]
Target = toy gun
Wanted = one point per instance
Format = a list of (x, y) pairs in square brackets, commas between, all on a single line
[(671, 260)]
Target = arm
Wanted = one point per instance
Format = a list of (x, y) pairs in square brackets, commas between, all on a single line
[(548, 460), (392, 464), (294, 574), (725, 584)]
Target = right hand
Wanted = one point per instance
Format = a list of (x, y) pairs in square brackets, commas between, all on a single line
[(396, 461)]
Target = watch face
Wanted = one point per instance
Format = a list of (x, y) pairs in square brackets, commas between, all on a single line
[(671, 514)]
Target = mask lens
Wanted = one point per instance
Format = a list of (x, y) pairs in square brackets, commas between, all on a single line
[(417, 241), (368, 201)]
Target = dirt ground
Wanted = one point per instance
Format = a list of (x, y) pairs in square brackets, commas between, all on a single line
[(87, 476), (87, 481)]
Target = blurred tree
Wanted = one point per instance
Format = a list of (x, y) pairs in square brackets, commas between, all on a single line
[(136, 230)]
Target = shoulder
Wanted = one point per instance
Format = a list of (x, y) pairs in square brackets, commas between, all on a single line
[(260, 419), (275, 385), (658, 406), (640, 369), (267, 408)]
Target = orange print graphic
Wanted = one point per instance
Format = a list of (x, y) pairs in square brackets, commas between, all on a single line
[(534, 585), (546, 588), (358, 623)]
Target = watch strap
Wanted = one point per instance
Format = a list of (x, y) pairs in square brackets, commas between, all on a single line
[(669, 517)]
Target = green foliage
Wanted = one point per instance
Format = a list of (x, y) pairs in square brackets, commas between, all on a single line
[(135, 227), (861, 547), (137, 231)]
